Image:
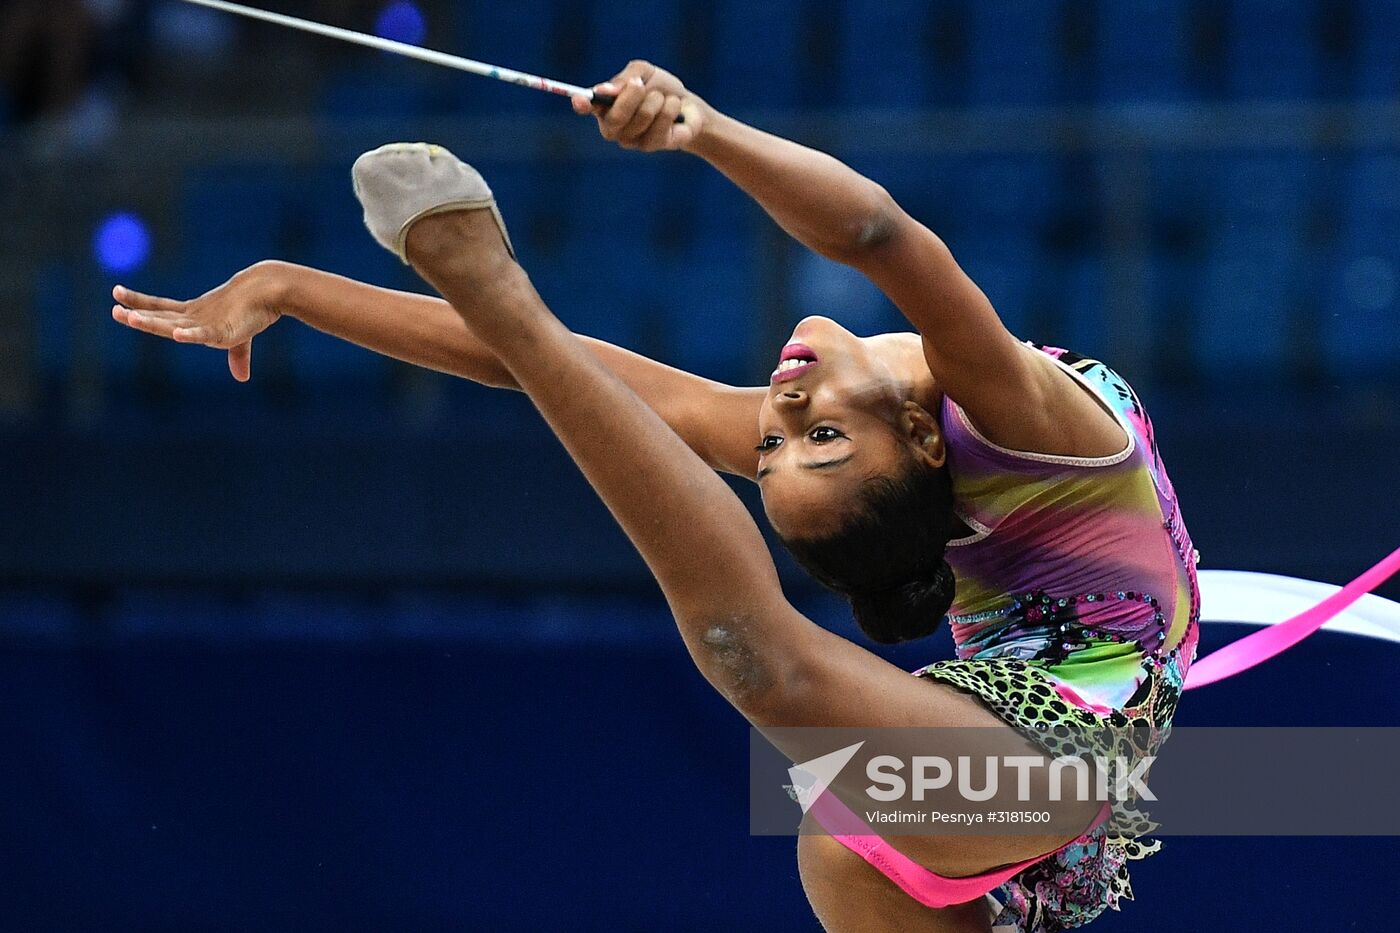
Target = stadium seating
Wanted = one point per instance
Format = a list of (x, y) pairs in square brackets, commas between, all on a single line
[(618, 33), (523, 35), (233, 216), (1250, 251), (1361, 292), (756, 53), (1273, 49), (884, 54), (709, 300), (1076, 312), (1256, 271), (383, 89), (1002, 261), (1249, 297), (1014, 51), (1143, 51), (1378, 52), (335, 239), (55, 306)]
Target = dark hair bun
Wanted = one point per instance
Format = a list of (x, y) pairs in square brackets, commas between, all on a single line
[(887, 556), (907, 611)]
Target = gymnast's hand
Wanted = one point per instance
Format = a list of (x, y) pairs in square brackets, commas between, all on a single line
[(649, 99), (229, 317)]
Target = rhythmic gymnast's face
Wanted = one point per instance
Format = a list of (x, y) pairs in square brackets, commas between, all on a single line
[(837, 414)]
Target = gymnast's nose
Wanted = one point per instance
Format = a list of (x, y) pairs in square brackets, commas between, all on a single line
[(791, 400)]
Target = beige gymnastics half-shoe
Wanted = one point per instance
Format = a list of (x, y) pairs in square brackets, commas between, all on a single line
[(402, 183)]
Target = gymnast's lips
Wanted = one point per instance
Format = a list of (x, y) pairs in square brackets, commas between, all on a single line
[(795, 360)]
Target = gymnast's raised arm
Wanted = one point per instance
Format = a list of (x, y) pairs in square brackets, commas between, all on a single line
[(1018, 398), (719, 422)]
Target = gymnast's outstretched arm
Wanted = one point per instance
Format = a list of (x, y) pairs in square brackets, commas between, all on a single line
[(719, 422), (1018, 397)]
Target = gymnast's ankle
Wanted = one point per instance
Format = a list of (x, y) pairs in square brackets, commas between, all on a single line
[(463, 245)]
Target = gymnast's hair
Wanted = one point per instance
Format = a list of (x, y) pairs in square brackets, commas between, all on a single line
[(886, 558)]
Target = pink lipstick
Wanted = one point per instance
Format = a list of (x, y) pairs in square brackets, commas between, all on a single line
[(795, 360)]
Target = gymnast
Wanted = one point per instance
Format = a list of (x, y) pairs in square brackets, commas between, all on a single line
[(954, 473)]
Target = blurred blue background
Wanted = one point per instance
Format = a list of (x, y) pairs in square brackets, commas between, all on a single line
[(353, 646)]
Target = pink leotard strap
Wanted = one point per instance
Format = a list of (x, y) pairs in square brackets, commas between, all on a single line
[(1260, 646), (926, 887)]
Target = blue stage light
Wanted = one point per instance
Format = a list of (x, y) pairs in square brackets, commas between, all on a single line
[(402, 21), (122, 243)]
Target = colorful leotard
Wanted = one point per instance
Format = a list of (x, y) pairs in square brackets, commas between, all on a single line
[(1076, 608)]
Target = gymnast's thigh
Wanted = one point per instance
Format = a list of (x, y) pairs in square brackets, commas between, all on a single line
[(849, 896)]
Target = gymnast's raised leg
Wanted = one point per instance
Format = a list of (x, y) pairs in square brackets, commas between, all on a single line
[(774, 665)]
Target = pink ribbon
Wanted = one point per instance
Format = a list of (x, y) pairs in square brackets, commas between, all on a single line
[(1260, 646)]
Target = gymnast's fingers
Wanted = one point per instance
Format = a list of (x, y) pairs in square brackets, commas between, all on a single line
[(645, 116), (196, 334), (181, 315), (161, 326), (683, 134), (623, 109), (636, 69), (134, 299), (240, 361), (658, 135)]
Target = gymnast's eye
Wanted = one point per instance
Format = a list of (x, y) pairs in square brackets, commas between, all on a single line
[(769, 443), (824, 433)]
